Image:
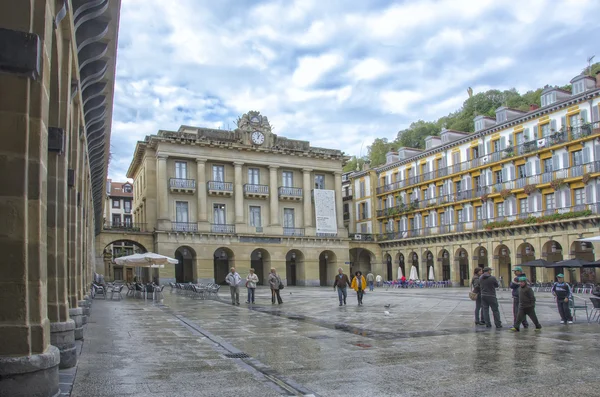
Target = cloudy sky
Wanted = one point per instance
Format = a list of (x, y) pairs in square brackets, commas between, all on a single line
[(338, 73)]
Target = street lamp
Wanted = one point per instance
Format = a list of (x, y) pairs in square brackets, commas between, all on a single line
[(554, 247), (259, 255), (504, 252), (482, 252), (527, 250)]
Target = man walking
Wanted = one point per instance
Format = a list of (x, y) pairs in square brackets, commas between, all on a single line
[(234, 280), (378, 279), (562, 292), (370, 280), (341, 282), (526, 305), (488, 285), (514, 286)]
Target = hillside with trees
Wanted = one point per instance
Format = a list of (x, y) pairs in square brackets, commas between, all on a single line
[(483, 103)]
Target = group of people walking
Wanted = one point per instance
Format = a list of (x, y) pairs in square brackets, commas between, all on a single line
[(485, 285), (358, 284), (235, 280)]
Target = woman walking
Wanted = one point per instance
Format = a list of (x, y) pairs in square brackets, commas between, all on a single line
[(251, 280), (359, 283), (274, 283), (475, 288)]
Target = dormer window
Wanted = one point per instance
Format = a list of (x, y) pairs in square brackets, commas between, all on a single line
[(549, 98), (501, 117), (479, 125), (578, 87), (127, 188)]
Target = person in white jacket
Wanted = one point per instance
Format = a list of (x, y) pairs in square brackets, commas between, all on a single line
[(234, 280), (251, 280)]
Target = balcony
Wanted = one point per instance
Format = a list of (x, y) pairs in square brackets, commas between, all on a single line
[(222, 228), (216, 188), (178, 185), (290, 193), (346, 216), (327, 235), (187, 227), (347, 194), (127, 210), (256, 191), (125, 227), (293, 231), (362, 237)]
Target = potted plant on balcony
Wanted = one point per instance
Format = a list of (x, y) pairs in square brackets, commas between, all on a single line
[(484, 197), (557, 184), (505, 193), (586, 178), (528, 189)]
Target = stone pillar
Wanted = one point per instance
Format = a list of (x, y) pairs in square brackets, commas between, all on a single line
[(307, 189), (201, 189), (238, 193), (339, 206), (161, 188), (274, 195)]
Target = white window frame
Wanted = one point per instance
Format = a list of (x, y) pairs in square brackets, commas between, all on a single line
[(287, 214), (524, 208), (287, 178), (180, 216), (255, 215), (180, 169), (320, 181), (216, 175), (253, 176), (219, 214), (579, 195), (550, 199), (499, 209)]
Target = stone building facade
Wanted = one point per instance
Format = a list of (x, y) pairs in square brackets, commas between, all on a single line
[(243, 198), (57, 65)]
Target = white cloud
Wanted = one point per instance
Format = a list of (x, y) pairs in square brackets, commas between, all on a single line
[(310, 69), (369, 69)]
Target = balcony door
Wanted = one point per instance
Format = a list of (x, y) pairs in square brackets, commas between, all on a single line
[(253, 176), (288, 218), (219, 214), (287, 179), (181, 212), (218, 173), (180, 170)]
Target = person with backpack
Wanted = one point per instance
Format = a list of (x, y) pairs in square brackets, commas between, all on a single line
[(526, 306), (275, 284), (562, 292)]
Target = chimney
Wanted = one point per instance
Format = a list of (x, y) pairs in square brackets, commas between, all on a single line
[(533, 107), (598, 79), (366, 165)]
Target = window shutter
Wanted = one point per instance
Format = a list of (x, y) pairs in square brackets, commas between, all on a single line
[(586, 155), (489, 178), (597, 193), (468, 183), (480, 147), (444, 162), (538, 202), (589, 194), (511, 172), (557, 199), (530, 203), (567, 198), (526, 136), (468, 154), (416, 168), (528, 171), (488, 146), (451, 216), (555, 162), (595, 114), (504, 175), (535, 133), (503, 142), (490, 210), (553, 125), (583, 115), (450, 187), (565, 160), (506, 208), (563, 122), (537, 167), (484, 211), (470, 214)]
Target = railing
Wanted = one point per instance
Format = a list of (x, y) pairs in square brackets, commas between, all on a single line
[(326, 234), (293, 231), (220, 186), (178, 183), (256, 189), (125, 226), (127, 210), (290, 191), (346, 216), (362, 236), (184, 226), (222, 228)]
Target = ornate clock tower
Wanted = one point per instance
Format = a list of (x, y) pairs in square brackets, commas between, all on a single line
[(255, 130)]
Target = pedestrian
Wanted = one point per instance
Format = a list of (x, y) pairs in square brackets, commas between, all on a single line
[(562, 292), (488, 285), (275, 284), (477, 289), (403, 281), (370, 280), (378, 279), (526, 305), (251, 280), (359, 284), (515, 286), (341, 282), (234, 280)]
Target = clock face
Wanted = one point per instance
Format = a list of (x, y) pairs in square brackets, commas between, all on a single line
[(258, 138)]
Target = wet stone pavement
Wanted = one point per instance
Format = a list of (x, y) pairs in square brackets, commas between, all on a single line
[(426, 346)]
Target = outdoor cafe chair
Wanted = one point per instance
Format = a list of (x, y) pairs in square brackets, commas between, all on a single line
[(158, 291), (130, 289), (577, 306), (99, 290), (116, 289), (595, 313)]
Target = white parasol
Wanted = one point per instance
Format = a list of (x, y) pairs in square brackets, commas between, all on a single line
[(431, 278), (413, 274), (399, 272), (595, 239), (147, 259)]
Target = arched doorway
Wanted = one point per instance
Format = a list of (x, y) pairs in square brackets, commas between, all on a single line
[(389, 267), (413, 260), (584, 251), (552, 251), (400, 261), (117, 249), (462, 257), (260, 261), (223, 261), (361, 259), (502, 255), (526, 253), (444, 258), (327, 268), (428, 259), (294, 267), (480, 257), (184, 269)]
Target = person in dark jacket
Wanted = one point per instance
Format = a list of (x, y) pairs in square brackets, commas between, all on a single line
[(526, 305), (341, 282), (514, 285), (488, 285), (562, 292), (475, 288)]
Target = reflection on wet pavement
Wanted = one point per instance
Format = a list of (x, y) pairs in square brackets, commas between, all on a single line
[(428, 345)]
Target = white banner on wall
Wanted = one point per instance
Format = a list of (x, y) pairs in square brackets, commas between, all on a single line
[(325, 211)]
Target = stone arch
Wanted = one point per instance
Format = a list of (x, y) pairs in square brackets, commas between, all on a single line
[(480, 257), (294, 267), (444, 259), (502, 262), (413, 260), (552, 251), (223, 260), (584, 251), (526, 253), (461, 257), (401, 262), (361, 259), (428, 261), (185, 270), (260, 261), (328, 266), (116, 249)]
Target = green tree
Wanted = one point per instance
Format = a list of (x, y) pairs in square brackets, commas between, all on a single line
[(355, 164), (378, 150), (414, 136)]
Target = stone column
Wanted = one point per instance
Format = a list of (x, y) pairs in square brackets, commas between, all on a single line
[(274, 195), (161, 188), (201, 190), (339, 206), (238, 194), (307, 189)]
